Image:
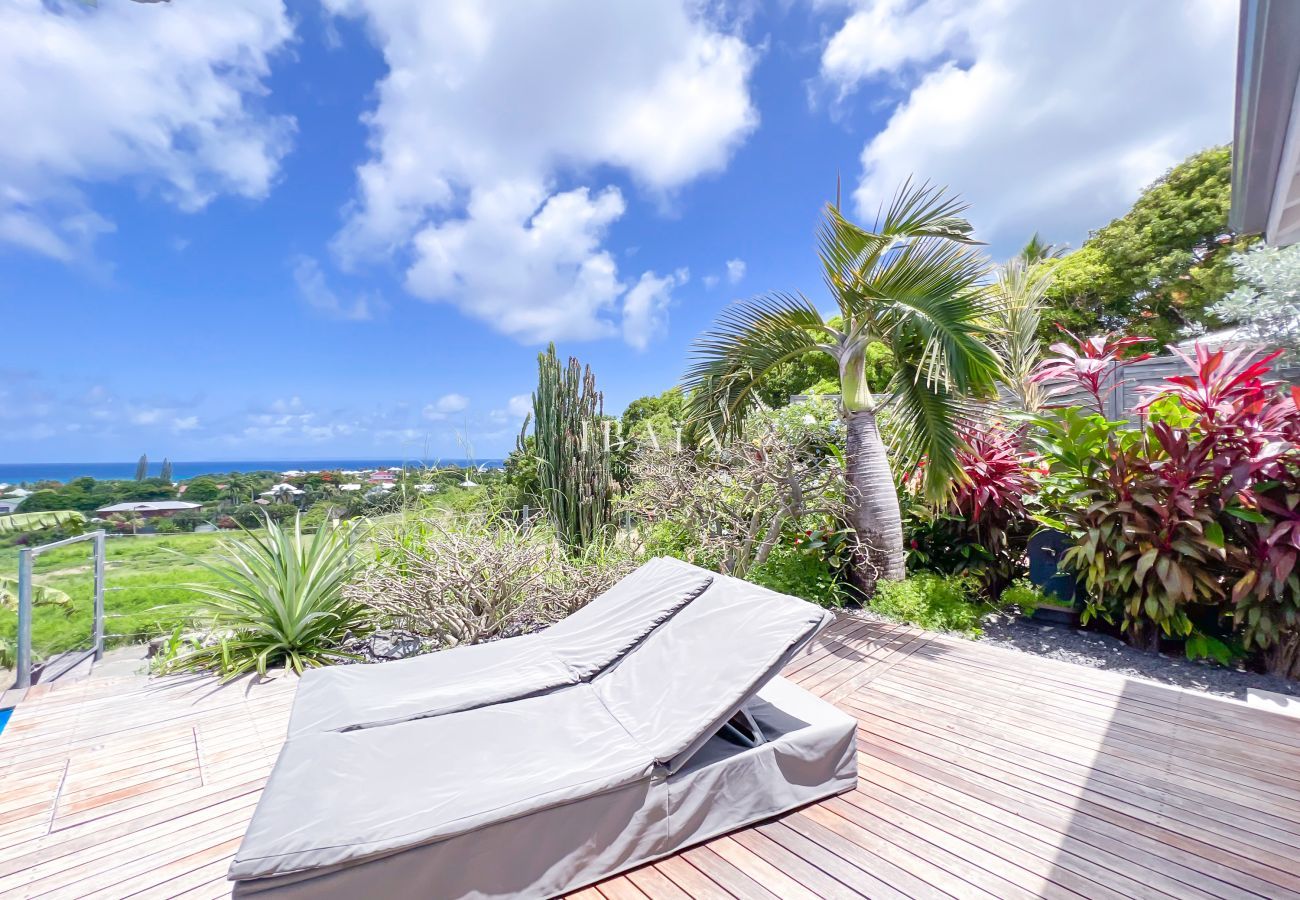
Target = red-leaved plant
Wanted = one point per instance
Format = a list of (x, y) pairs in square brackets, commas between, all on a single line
[(1090, 364), (1197, 512), (1253, 427), (982, 528)]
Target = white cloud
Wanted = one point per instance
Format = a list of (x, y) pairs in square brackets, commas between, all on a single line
[(645, 310), (520, 405), (735, 270), (315, 290), (185, 423), (146, 415), (452, 403), (446, 405), (159, 94), (532, 272), (1044, 116), (485, 108)]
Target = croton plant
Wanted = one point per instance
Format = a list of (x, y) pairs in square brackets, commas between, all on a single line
[(1190, 519)]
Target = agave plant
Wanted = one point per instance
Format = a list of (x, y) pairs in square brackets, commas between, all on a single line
[(279, 601)]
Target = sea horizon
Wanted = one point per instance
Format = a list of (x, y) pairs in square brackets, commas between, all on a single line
[(182, 470)]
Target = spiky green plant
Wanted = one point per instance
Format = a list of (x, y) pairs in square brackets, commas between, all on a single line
[(573, 459), (279, 601), (1023, 289)]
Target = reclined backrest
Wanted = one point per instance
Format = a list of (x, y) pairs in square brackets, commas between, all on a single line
[(340, 698), (600, 633), (689, 676)]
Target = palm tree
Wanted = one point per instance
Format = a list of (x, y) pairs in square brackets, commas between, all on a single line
[(915, 284)]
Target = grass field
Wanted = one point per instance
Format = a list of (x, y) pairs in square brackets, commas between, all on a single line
[(144, 591)]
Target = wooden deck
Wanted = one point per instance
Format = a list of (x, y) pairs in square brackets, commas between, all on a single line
[(984, 773)]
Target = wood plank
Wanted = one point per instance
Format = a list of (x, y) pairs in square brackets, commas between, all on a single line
[(984, 773)]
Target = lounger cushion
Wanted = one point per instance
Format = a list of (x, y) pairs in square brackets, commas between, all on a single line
[(341, 797), (573, 650), (733, 639), (536, 765), (553, 847)]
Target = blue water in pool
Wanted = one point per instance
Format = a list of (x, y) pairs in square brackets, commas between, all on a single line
[(4, 718)]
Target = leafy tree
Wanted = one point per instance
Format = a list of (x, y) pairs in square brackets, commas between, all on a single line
[(165, 474), (142, 468), (203, 489), (662, 415), (1157, 269), (915, 285), (671, 403), (1267, 305)]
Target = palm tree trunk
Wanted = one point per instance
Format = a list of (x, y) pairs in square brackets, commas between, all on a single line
[(876, 515)]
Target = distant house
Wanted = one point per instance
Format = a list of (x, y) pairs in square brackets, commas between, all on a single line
[(283, 491), (382, 477), (10, 504), (149, 509), (350, 486)]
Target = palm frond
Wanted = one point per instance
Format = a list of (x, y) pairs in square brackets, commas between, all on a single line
[(924, 427), (750, 339), (917, 212)]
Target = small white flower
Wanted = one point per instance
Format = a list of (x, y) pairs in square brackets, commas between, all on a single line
[(809, 419)]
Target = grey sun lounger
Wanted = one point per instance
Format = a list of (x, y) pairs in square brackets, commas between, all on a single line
[(648, 721)]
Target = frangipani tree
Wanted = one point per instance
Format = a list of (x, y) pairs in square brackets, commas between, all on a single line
[(917, 284)]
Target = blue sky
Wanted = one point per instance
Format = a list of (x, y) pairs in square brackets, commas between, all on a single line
[(345, 228)]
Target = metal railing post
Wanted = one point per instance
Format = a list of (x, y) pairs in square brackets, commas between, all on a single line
[(99, 595), (24, 661)]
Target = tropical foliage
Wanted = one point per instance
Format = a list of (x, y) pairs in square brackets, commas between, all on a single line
[(278, 600), (982, 529), (914, 284), (1265, 308), (732, 506), (1185, 521), (15, 523), (936, 602)]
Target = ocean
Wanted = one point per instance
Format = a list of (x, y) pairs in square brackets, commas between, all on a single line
[(17, 473)]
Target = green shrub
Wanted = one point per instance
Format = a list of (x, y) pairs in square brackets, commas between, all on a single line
[(1026, 596), (934, 602), (801, 575)]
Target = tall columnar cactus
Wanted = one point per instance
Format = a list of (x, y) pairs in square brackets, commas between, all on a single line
[(573, 460)]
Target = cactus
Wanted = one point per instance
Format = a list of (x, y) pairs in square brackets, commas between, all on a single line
[(573, 460)]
